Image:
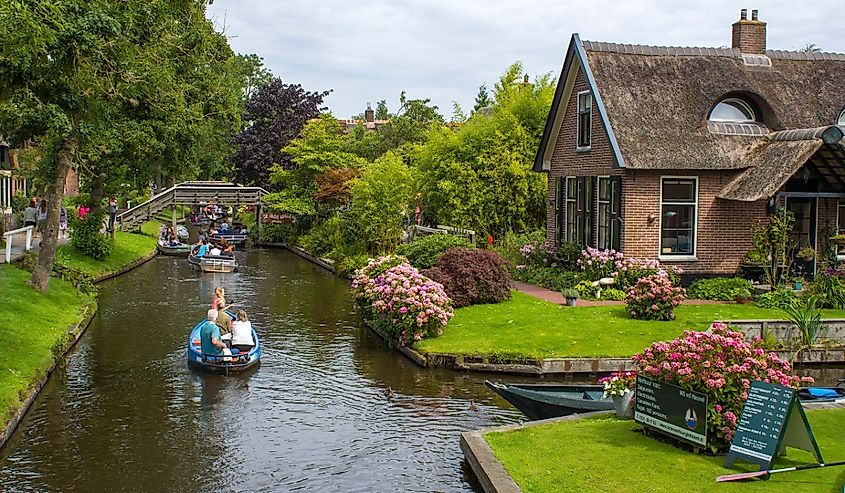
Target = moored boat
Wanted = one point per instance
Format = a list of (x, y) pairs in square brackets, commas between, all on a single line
[(543, 401), (182, 232), (218, 363), (176, 250), (821, 394)]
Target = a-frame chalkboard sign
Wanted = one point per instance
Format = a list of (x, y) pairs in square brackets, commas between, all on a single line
[(772, 419)]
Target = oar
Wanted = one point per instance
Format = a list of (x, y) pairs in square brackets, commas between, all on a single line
[(757, 474)]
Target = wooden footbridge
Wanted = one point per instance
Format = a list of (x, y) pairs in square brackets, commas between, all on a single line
[(191, 193)]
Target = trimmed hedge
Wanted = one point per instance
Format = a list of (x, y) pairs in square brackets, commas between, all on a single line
[(719, 288), (471, 277), (424, 252)]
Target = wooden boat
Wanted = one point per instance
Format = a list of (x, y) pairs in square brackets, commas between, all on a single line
[(182, 232), (821, 394), (220, 364), (179, 250), (543, 401)]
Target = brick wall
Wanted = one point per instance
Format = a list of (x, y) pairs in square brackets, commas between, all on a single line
[(724, 227), (565, 161), (749, 36)]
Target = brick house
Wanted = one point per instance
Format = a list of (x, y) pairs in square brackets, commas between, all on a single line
[(675, 153)]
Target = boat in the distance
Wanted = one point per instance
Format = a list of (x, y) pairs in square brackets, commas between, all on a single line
[(218, 363), (182, 232), (231, 237), (543, 401), (165, 248)]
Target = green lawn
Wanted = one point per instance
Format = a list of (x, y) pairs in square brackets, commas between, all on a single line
[(128, 247), (606, 454), (527, 327), (35, 323)]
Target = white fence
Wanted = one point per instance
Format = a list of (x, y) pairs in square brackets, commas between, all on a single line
[(417, 230), (9, 235)]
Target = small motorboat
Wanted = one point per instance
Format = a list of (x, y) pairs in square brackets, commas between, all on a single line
[(213, 263), (821, 394), (182, 232), (218, 363), (231, 238), (176, 250), (543, 401)]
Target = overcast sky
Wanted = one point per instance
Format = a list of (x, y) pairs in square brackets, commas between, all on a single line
[(367, 50)]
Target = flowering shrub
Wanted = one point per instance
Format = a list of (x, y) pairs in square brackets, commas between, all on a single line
[(654, 298), (597, 264), (721, 364), (618, 383), (471, 276), (401, 301)]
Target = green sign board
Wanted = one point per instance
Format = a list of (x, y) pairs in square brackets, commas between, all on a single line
[(772, 419), (671, 410)]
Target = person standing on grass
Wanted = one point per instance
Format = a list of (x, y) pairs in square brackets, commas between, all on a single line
[(112, 214)]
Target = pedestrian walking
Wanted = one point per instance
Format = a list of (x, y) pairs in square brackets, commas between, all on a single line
[(112, 214)]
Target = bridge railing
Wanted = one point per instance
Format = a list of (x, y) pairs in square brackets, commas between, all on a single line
[(9, 235)]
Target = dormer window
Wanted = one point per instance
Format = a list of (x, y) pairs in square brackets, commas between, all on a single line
[(841, 120), (733, 110), (585, 120)]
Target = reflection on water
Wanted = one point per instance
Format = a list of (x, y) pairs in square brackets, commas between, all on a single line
[(126, 413)]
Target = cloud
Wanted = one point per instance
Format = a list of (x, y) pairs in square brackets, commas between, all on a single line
[(444, 49)]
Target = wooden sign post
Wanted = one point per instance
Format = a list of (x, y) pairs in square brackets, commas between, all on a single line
[(772, 419)]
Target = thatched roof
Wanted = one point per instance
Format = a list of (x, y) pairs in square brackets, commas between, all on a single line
[(772, 164), (656, 101)]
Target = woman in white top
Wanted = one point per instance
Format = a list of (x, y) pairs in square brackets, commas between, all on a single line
[(242, 333)]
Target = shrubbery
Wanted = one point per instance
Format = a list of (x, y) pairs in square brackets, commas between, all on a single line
[(612, 294), (472, 276), (546, 277), (86, 238), (720, 364), (828, 289), (424, 252), (719, 288), (510, 247), (778, 298), (654, 298), (400, 301)]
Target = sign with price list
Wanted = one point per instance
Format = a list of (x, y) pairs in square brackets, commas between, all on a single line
[(772, 419)]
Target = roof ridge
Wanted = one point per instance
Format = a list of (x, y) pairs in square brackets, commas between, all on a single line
[(653, 50)]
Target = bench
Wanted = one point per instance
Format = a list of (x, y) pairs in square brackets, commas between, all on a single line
[(8, 235)]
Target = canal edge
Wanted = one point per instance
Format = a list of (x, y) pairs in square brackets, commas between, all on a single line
[(488, 469), (75, 332)]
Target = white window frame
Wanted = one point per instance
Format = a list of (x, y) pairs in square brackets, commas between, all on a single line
[(670, 257), (841, 119), (740, 102), (566, 201), (578, 111)]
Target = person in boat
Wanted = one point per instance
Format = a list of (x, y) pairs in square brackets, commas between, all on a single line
[(210, 338), (243, 230), (212, 230), (242, 333), (215, 251), (219, 294), (202, 250), (224, 321), (173, 241), (227, 247), (224, 227)]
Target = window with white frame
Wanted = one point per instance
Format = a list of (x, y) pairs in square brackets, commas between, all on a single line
[(571, 209), (678, 214), (841, 120), (585, 118), (605, 220)]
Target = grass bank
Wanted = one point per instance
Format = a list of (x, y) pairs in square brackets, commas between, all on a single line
[(128, 247), (36, 330), (527, 327), (606, 454)]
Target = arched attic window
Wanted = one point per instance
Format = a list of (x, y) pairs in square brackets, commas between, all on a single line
[(734, 110), (841, 120)]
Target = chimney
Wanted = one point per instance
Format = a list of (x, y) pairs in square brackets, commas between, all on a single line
[(369, 114), (749, 36)]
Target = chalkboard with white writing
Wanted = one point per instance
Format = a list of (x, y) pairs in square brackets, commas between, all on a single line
[(671, 410)]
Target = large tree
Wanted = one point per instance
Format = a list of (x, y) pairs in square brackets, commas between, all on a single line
[(273, 117)]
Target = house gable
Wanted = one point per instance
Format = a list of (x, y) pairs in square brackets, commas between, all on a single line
[(575, 62)]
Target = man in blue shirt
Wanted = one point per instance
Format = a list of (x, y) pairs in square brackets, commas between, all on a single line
[(202, 250), (210, 335)]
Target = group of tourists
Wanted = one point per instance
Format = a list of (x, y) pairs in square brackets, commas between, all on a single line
[(168, 236), (220, 334), (204, 247), (35, 214)]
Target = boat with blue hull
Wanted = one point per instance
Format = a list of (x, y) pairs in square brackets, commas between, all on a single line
[(239, 361)]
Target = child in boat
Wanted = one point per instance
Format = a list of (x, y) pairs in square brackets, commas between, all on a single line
[(242, 333)]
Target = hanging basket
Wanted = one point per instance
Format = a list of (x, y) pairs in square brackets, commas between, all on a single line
[(837, 240)]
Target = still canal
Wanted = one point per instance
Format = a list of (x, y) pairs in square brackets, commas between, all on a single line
[(331, 408)]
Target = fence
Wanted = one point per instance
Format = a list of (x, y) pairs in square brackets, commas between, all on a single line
[(417, 230)]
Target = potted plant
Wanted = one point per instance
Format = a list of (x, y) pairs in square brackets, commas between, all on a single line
[(571, 295), (798, 283), (807, 253), (620, 387), (742, 296), (838, 240)]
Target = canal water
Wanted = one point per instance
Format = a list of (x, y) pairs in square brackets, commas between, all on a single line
[(331, 408)]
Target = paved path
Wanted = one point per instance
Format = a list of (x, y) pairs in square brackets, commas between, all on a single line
[(557, 298), (18, 247)]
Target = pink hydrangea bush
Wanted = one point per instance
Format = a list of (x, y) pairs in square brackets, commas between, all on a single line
[(721, 364), (398, 299), (654, 298), (597, 264)]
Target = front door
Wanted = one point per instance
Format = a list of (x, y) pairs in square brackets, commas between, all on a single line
[(804, 232)]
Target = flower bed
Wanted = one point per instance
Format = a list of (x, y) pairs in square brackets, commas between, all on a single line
[(721, 364), (402, 302)]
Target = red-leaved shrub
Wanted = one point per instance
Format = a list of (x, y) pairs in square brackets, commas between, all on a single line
[(471, 277)]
